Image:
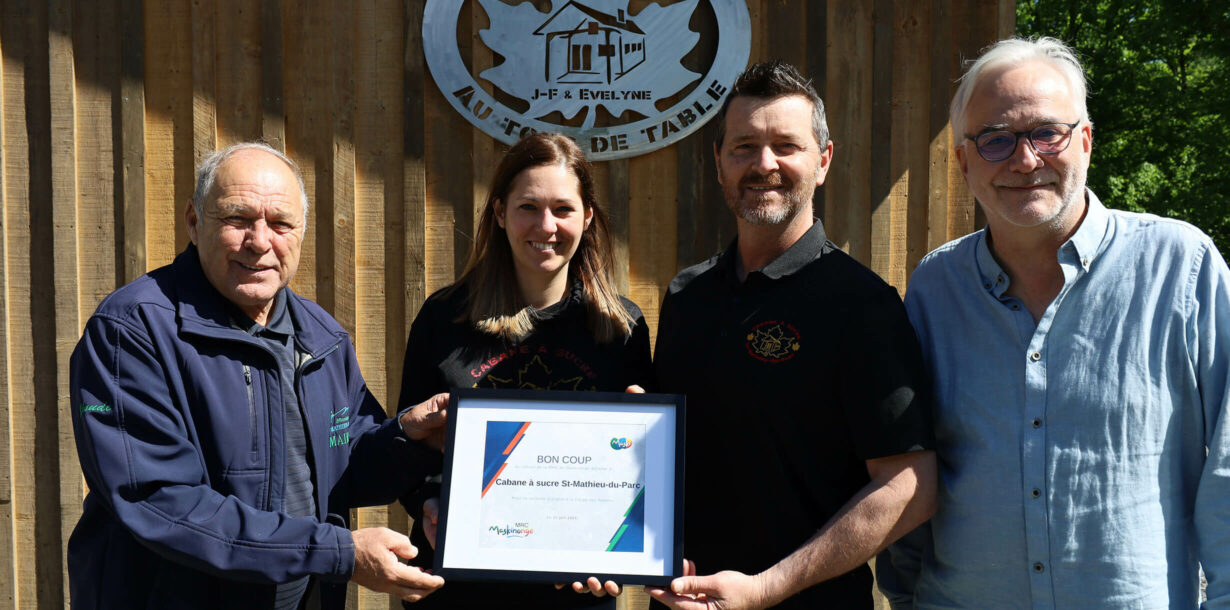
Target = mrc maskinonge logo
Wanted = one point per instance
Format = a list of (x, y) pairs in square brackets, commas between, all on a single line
[(773, 341), (516, 530), (618, 443), (612, 80)]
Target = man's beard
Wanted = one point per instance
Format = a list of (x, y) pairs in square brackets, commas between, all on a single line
[(762, 213)]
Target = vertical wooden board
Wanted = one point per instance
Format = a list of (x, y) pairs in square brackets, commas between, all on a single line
[(322, 62), (717, 223), (130, 141), (690, 153), (449, 190), (414, 177), (237, 51), (633, 598), (785, 30), (95, 76), (1007, 19), (307, 122), (759, 26), (461, 195), (817, 45), (971, 21), (847, 194), (960, 202), (204, 87), (940, 133), (619, 209), (652, 231), (273, 112), (886, 182), (915, 30), (7, 576), (168, 127), (377, 112), (54, 232), (908, 199), (378, 137), (342, 215), (204, 97), (16, 573)]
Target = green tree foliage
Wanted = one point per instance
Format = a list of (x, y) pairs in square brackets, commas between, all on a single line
[(1159, 94)]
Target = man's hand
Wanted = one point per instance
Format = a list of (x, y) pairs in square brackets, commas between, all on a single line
[(431, 519), (425, 422), (727, 590), (377, 567), (594, 587)]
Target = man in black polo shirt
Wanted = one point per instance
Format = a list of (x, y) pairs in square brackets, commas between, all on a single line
[(808, 432)]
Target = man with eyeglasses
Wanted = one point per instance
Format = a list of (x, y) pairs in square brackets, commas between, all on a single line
[(1080, 358)]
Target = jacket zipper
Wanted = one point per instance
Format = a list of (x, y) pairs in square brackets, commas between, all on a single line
[(307, 432), (247, 382)]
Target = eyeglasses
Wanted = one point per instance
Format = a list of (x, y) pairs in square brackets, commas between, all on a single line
[(1049, 139)]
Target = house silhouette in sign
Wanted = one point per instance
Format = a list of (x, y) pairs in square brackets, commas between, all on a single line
[(586, 46)]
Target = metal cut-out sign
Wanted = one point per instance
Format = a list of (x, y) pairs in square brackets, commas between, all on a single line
[(583, 55)]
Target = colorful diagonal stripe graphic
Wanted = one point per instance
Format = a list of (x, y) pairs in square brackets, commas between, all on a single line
[(502, 438), (630, 537)]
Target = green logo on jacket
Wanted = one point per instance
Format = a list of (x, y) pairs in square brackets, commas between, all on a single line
[(95, 408)]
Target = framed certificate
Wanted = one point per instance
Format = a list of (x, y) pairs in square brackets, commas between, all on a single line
[(559, 486)]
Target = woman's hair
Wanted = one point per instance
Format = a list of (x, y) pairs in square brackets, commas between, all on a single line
[(494, 303)]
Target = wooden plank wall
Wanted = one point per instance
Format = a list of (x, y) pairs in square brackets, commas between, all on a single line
[(105, 105)]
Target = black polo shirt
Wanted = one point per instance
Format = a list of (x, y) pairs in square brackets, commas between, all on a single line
[(794, 377)]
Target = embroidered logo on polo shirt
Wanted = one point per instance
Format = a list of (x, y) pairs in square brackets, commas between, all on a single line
[(773, 341)]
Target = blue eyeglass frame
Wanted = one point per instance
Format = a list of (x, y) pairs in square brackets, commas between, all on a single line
[(1029, 135)]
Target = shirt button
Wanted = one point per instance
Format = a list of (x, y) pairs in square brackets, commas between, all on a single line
[(1016, 307), (1037, 493), (987, 285), (1035, 356), (1039, 568), (1037, 423), (999, 280)]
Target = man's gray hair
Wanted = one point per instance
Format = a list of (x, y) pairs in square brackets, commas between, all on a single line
[(207, 172), (1014, 52)]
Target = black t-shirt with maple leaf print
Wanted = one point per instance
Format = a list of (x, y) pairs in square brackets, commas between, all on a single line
[(560, 354)]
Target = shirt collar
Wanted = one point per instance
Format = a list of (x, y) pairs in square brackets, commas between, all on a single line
[(1089, 236), (1085, 244), (278, 323), (576, 294), (806, 249)]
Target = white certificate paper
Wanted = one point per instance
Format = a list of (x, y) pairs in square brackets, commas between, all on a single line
[(566, 486), (578, 486)]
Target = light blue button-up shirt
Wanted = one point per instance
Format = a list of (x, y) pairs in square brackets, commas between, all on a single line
[(1072, 452)]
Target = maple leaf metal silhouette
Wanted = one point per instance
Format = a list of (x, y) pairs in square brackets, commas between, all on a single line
[(589, 44)]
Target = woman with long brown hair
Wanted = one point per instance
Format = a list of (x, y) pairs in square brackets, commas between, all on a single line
[(535, 308)]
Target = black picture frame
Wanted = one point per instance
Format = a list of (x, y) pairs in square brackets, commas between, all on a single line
[(466, 560)]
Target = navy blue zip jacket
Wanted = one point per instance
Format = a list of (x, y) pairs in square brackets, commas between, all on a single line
[(178, 420)]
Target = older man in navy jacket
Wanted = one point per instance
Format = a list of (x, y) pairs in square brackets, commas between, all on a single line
[(224, 428)]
